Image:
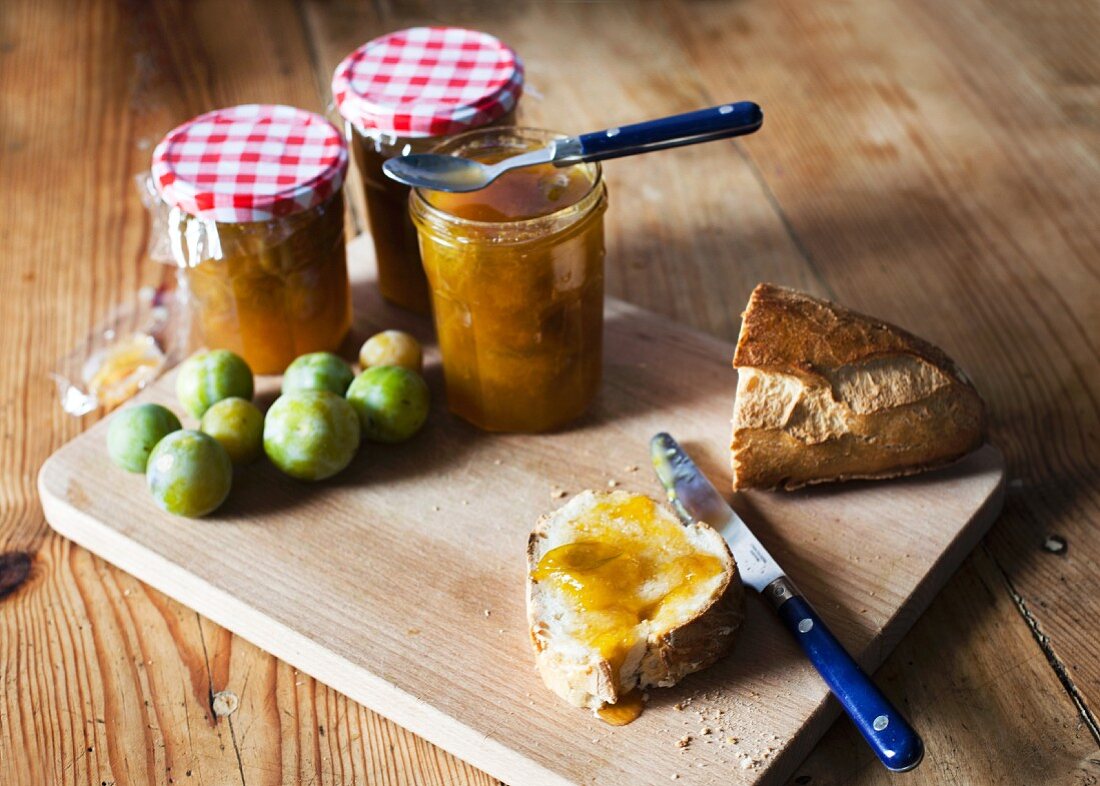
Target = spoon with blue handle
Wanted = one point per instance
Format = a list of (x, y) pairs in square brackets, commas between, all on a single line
[(893, 740), (452, 173)]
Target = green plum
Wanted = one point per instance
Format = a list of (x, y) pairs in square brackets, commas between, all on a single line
[(318, 371), (135, 431), (207, 377), (239, 426), (391, 402), (189, 473), (391, 348), (311, 434)]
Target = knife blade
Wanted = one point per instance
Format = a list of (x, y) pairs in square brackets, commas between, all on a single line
[(694, 498)]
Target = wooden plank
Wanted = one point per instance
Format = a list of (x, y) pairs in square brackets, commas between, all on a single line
[(899, 164), (378, 583)]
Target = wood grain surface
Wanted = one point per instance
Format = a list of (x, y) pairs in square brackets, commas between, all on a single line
[(936, 164), (399, 582)]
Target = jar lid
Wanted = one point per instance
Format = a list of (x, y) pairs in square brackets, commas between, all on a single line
[(250, 163), (428, 81)]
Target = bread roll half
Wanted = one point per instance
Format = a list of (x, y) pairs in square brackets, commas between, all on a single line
[(825, 393)]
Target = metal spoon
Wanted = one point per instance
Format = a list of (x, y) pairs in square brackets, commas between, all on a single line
[(452, 173)]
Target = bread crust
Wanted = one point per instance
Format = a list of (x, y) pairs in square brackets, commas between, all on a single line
[(860, 398), (663, 659)]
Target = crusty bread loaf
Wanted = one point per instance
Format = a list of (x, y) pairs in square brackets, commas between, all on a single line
[(690, 618), (824, 393)]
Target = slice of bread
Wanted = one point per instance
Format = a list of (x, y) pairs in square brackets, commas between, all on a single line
[(621, 596), (824, 393)]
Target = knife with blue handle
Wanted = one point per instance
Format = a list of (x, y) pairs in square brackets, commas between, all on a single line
[(893, 740)]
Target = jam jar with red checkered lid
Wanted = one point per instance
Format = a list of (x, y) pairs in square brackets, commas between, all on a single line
[(406, 92), (255, 221)]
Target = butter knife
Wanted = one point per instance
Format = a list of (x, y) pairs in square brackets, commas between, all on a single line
[(893, 740)]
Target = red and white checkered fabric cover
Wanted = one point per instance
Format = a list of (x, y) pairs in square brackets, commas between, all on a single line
[(428, 81), (250, 163)]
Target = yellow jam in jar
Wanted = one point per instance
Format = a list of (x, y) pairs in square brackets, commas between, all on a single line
[(254, 210), (627, 566), (279, 290), (516, 278)]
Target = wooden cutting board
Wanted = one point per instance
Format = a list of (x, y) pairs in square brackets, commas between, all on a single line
[(401, 581)]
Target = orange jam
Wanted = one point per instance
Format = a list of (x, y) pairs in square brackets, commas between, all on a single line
[(625, 710), (520, 194), (516, 278), (278, 290), (627, 566)]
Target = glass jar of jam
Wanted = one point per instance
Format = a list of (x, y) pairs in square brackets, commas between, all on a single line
[(256, 224), (406, 92), (516, 275)]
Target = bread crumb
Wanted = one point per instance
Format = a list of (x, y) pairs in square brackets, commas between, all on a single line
[(684, 741), (675, 776), (465, 502), (746, 763), (678, 706), (488, 613), (731, 740), (632, 468), (497, 462), (705, 730), (612, 483), (435, 508), (558, 493)]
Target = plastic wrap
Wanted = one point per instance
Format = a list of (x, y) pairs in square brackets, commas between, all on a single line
[(127, 351)]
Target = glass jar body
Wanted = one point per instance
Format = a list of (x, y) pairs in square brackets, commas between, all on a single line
[(401, 278), (518, 306), (267, 290)]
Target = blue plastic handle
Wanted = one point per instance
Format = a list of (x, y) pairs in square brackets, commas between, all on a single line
[(718, 122), (891, 737)]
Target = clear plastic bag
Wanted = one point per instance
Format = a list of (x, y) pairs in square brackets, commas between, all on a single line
[(138, 341), (125, 353)]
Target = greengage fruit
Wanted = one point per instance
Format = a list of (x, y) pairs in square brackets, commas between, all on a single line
[(391, 348), (318, 371), (239, 426), (135, 431), (207, 377), (189, 473), (391, 401), (311, 434)]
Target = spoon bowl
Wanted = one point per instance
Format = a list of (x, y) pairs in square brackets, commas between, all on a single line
[(439, 172), (456, 174)]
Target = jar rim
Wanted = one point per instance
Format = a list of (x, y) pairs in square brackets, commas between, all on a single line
[(595, 193)]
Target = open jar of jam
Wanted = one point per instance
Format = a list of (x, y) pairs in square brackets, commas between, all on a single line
[(256, 225), (406, 92), (516, 276)]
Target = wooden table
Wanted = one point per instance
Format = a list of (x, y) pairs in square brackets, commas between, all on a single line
[(935, 164)]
